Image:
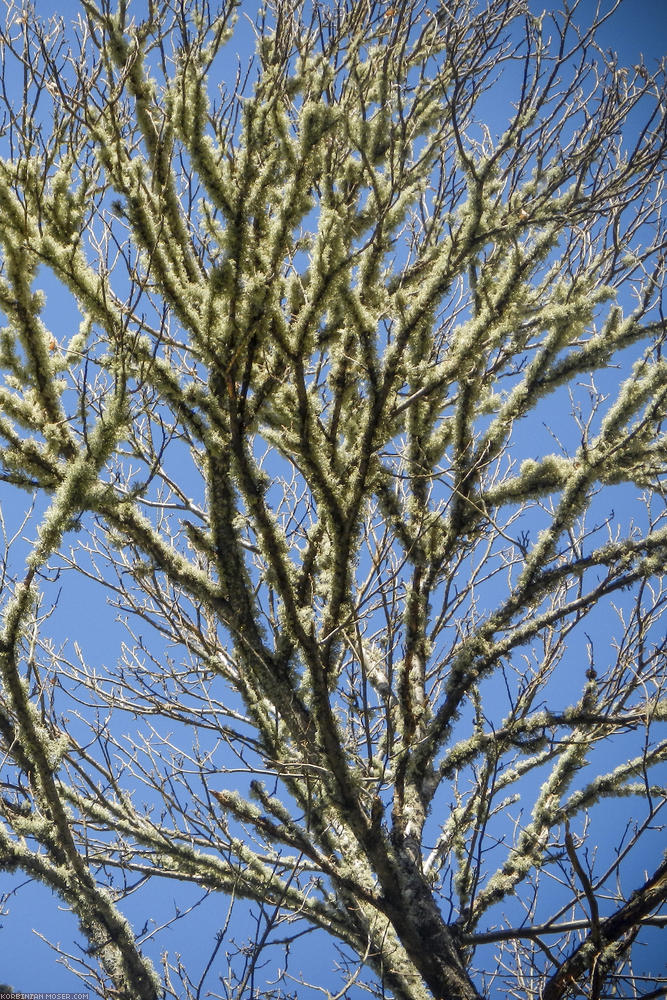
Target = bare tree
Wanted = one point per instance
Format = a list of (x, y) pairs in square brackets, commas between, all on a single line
[(361, 433)]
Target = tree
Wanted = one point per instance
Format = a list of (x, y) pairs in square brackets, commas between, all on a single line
[(392, 653)]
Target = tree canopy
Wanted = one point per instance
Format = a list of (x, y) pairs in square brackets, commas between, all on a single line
[(360, 432)]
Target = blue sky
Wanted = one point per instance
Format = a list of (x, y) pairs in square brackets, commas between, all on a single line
[(25, 961)]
